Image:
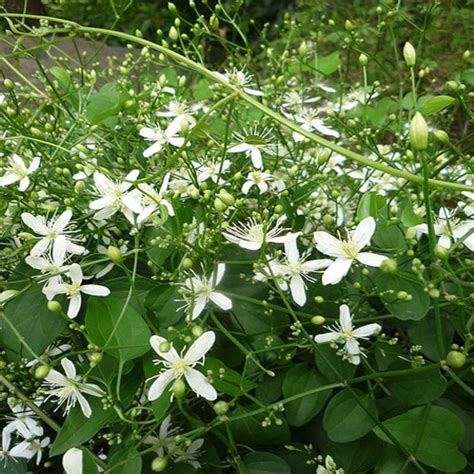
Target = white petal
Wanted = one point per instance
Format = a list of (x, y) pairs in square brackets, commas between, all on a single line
[(327, 337), (24, 183), (159, 385), (34, 223), (200, 385), (364, 232), (298, 290), (367, 330), (327, 244), (56, 378), (75, 273), (199, 304), (62, 221), (336, 271), (153, 149), (256, 157), (41, 246), (219, 273), (220, 300), (72, 461), (291, 251), (352, 346), (371, 259), (35, 162), (95, 290), (314, 265), (102, 202), (68, 367), (85, 407), (241, 147), (345, 318), (74, 305), (200, 347), (9, 178), (170, 356)]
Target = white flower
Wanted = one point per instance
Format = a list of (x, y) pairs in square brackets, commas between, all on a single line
[(52, 265), (252, 235), (449, 229), (115, 197), (199, 290), (69, 389), (22, 417), (180, 113), (345, 333), (297, 268), (103, 250), (177, 366), (72, 461), (165, 439), (212, 169), (252, 145), (309, 121), (54, 233), (17, 171), (329, 467), (50, 352), (74, 289), (32, 446), (190, 453), (259, 179), (21, 450), (241, 79), (160, 138), (346, 251), (152, 200)]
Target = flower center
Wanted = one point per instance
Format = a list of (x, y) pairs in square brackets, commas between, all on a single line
[(350, 249), (74, 289), (180, 368)]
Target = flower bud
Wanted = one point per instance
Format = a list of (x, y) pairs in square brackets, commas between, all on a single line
[(95, 358), (184, 127), (221, 408), (42, 371), (418, 132), (115, 254), (165, 346), (363, 60), (452, 86), (348, 25), (197, 331), (456, 359), (54, 306), (409, 54), (159, 464), (303, 49), (172, 8), (324, 155), (219, 206), (8, 84), (186, 263), (318, 320), (226, 198), (441, 136), (179, 388), (441, 252), (466, 55), (388, 266), (173, 34)]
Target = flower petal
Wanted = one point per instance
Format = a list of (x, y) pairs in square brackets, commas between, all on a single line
[(72, 461), (327, 337), (327, 244), (371, 259), (74, 305), (170, 356), (159, 385), (34, 223), (298, 290), (199, 347), (200, 385), (220, 300), (367, 330), (68, 367), (345, 317), (364, 232), (95, 290), (85, 407), (336, 271)]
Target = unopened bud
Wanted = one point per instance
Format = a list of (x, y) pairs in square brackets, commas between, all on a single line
[(303, 48), (456, 359), (184, 127), (79, 187), (221, 408), (165, 346), (466, 55), (388, 266), (409, 54), (452, 86), (179, 388), (441, 252), (219, 206), (226, 198), (348, 25), (159, 464), (363, 60), (8, 84), (42, 371), (418, 132), (441, 136), (318, 320), (172, 8), (115, 254), (173, 34), (197, 331), (54, 306), (186, 263)]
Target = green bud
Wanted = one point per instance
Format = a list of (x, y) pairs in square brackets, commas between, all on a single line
[(348, 26), (8, 84), (36, 132), (363, 60), (466, 55), (328, 219), (79, 187), (418, 132), (303, 49), (318, 320), (221, 408), (179, 388), (226, 198), (214, 22), (197, 331), (219, 206), (388, 266), (452, 86), (409, 54), (173, 34), (182, 81), (165, 346), (441, 136), (324, 155), (441, 252), (319, 299), (42, 371), (187, 263), (402, 295), (184, 127), (115, 254), (54, 306), (456, 359), (95, 357), (172, 8), (159, 464)]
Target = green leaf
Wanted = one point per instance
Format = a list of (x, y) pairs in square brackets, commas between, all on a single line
[(105, 316), (202, 91), (14, 466), (392, 460), (260, 462), (38, 326), (300, 379), (130, 459), (249, 430), (390, 238), (417, 388), (89, 465), (346, 420), (106, 103), (408, 216), (431, 434), (165, 302), (370, 204), (226, 380), (326, 65), (331, 365), (63, 77), (388, 286), (161, 405), (434, 104)]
